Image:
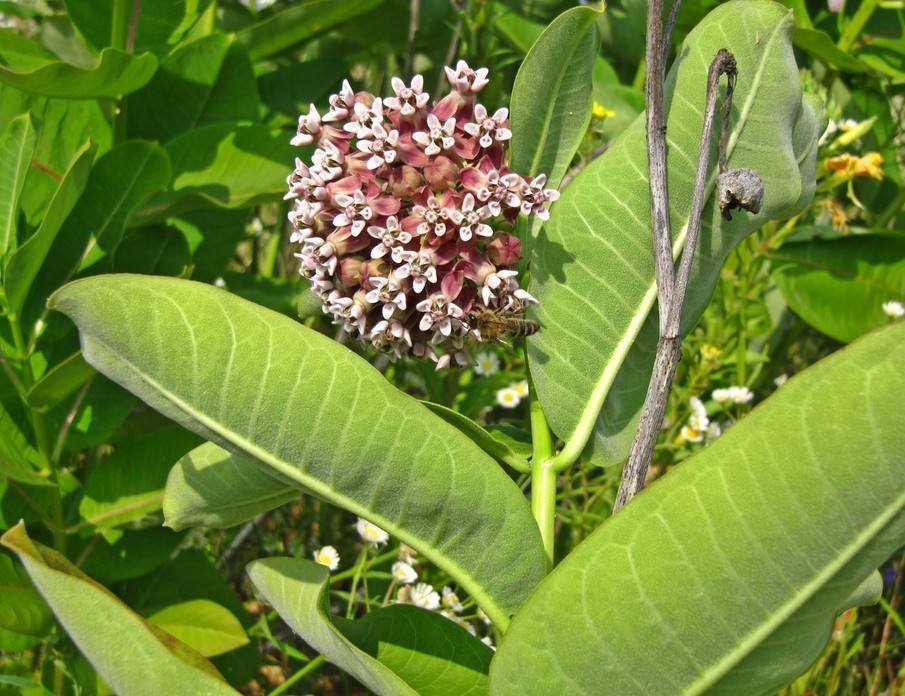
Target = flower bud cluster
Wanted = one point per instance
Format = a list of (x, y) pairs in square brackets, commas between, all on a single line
[(400, 212)]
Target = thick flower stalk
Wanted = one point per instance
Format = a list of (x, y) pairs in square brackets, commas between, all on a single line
[(401, 216)]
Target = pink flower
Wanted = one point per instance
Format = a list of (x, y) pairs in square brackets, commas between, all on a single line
[(466, 80), (403, 216), (489, 129), (408, 99)]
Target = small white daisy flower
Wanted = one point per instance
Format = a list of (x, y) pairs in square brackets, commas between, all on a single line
[(721, 396), (327, 556), (698, 419), (741, 395), (371, 533), (486, 364), (894, 309), (508, 397), (689, 434), (714, 430), (521, 388), (451, 600), (423, 595), (782, 379), (403, 573), (407, 554)]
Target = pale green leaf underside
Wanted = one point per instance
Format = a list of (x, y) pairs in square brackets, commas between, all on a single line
[(313, 412), (592, 265), (211, 487), (726, 575), (132, 656), (395, 651)]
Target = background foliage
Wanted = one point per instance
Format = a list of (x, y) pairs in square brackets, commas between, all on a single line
[(158, 144)]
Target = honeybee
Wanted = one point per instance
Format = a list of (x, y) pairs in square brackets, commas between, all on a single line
[(492, 324)]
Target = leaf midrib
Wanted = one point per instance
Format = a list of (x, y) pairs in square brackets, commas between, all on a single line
[(588, 418), (551, 103), (711, 675), (489, 605), (14, 197)]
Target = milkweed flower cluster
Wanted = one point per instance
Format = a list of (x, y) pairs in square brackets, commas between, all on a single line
[(400, 212)]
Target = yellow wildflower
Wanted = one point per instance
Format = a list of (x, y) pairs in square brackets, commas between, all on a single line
[(710, 352), (852, 166), (598, 110)]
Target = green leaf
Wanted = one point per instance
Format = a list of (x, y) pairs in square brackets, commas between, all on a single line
[(230, 371), (210, 487), (26, 261), (128, 484), (292, 88), (299, 23), (22, 611), (16, 454), (63, 126), (551, 98), (59, 382), (130, 654), (207, 81), (158, 27), (592, 267), (103, 409), (202, 624), (128, 554), (726, 575), (228, 165), (157, 250), (121, 181), (821, 46), (497, 446), (839, 286), (31, 68), (396, 651), (17, 145)]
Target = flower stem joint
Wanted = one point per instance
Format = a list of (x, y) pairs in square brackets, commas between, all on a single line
[(403, 216)]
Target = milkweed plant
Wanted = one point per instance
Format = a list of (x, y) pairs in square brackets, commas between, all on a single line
[(507, 388)]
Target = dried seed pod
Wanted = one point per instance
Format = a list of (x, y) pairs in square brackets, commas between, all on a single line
[(740, 188)]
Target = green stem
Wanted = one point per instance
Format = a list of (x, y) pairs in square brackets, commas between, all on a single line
[(303, 672), (543, 475), (543, 504), (892, 209), (856, 24), (120, 24), (359, 569), (376, 560)]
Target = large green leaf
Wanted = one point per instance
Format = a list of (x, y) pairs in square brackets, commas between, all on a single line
[(59, 382), (17, 144), (206, 81), (231, 166), (821, 46), (129, 483), (17, 456), (298, 23), (28, 66), (211, 487), (22, 611), (26, 261), (727, 574), (63, 126), (839, 286), (204, 625), (592, 266), (312, 412), (121, 181), (159, 24), (132, 656), (396, 651), (551, 98)]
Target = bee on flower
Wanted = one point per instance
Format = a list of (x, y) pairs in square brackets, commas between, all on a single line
[(403, 216)]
